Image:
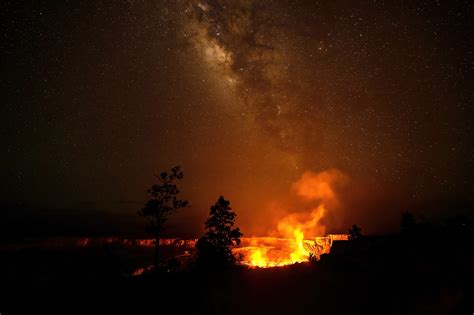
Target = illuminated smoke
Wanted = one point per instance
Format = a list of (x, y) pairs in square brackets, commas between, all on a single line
[(300, 234)]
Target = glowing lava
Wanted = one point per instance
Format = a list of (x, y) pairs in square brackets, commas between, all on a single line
[(298, 232), (292, 247), (265, 252)]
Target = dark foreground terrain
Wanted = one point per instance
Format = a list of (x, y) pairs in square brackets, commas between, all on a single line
[(402, 274)]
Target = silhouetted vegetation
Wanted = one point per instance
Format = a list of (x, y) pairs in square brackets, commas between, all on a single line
[(215, 247), (408, 223), (163, 202), (427, 272), (312, 258), (355, 232)]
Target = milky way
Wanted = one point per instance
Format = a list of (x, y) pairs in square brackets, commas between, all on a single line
[(247, 96)]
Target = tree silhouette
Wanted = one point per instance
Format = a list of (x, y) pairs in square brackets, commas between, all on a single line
[(215, 247), (163, 202), (355, 232)]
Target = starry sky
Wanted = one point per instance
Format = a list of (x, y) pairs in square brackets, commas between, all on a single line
[(247, 96)]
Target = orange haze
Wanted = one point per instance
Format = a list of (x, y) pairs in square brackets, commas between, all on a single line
[(299, 234)]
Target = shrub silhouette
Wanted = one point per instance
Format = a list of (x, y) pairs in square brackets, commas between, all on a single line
[(355, 232), (408, 223), (313, 259)]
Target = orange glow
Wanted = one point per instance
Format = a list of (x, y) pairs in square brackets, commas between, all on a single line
[(296, 236), (293, 247), (300, 233), (258, 258), (265, 252), (299, 252), (321, 186)]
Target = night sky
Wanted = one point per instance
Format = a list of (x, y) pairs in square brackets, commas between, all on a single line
[(247, 96)]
